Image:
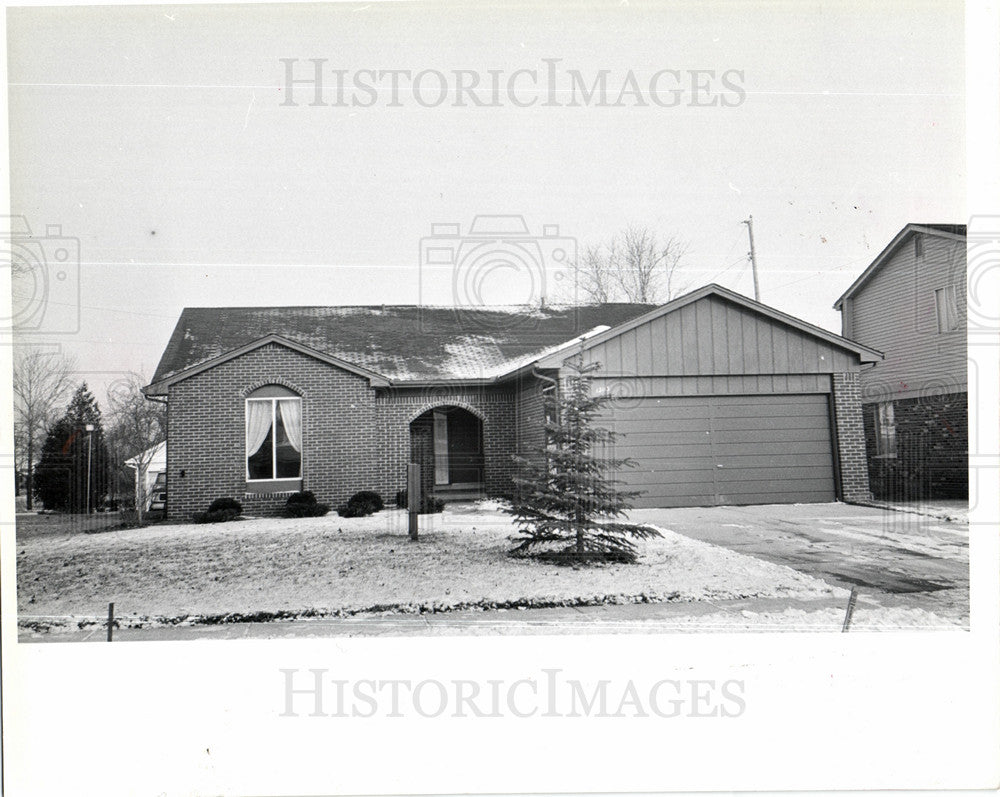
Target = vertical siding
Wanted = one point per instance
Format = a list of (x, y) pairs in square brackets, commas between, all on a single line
[(895, 313), (716, 337)]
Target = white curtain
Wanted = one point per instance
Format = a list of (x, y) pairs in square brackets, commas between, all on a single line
[(291, 417), (258, 425)]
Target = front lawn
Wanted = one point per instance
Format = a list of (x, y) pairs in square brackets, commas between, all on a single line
[(338, 565)]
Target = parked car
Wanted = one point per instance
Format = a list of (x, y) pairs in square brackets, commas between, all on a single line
[(159, 493)]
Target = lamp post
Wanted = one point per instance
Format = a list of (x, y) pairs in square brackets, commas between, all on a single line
[(90, 437)]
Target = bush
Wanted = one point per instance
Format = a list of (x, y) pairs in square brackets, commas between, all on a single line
[(221, 510), (361, 504), (226, 505), (303, 497), (368, 497), (429, 505), (218, 516), (304, 504)]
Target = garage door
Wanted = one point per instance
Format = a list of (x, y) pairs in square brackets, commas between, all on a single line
[(718, 450)]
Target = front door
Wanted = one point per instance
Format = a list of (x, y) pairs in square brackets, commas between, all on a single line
[(465, 448), (441, 475)]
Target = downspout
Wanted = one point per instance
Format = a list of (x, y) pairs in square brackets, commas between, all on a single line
[(553, 386), (552, 382)]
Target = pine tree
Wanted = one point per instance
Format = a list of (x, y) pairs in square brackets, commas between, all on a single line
[(69, 451), (567, 507)]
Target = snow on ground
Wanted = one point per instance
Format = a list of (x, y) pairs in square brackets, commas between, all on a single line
[(333, 563), (955, 511), (941, 540), (828, 619)]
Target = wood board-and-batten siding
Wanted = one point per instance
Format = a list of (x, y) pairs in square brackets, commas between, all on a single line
[(714, 337), (717, 404)]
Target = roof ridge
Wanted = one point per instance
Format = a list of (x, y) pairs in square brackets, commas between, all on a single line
[(473, 308)]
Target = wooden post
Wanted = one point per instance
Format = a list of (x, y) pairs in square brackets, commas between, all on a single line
[(111, 619), (850, 609), (413, 496)]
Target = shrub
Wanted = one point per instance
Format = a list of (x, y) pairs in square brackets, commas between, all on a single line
[(303, 497), (368, 497), (429, 505), (226, 505), (218, 516), (361, 504), (221, 510), (304, 504)]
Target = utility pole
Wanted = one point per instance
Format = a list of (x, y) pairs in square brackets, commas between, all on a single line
[(90, 438), (753, 260)]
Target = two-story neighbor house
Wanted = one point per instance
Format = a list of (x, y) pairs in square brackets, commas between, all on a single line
[(910, 304), (720, 400)]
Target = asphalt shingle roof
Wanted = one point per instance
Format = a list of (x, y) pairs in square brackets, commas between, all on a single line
[(400, 342)]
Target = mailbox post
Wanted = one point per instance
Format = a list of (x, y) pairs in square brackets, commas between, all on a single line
[(413, 496)]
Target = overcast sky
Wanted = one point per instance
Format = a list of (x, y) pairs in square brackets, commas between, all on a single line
[(157, 137)]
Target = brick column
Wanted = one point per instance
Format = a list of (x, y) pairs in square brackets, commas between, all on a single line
[(850, 437)]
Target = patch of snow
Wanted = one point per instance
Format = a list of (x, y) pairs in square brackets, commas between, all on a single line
[(334, 563)]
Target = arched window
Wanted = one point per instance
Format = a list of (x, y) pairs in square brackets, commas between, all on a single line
[(273, 436)]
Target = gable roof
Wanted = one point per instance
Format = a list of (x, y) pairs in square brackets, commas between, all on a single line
[(866, 353), (394, 343), (956, 232)]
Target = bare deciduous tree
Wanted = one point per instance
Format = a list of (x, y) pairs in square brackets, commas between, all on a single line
[(634, 266), (41, 382), (137, 425)]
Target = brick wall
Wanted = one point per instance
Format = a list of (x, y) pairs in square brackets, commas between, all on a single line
[(396, 409), (850, 437), (530, 414), (206, 447), (354, 436), (932, 449)]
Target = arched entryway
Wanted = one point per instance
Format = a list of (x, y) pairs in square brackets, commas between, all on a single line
[(447, 443)]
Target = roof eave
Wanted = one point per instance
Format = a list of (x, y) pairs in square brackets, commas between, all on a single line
[(160, 388), (865, 353), (889, 251)]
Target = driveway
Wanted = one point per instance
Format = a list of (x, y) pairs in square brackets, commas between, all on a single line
[(894, 558)]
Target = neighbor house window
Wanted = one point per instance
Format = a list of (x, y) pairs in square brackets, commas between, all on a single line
[(947, 309), (274, 435), (885, 429)]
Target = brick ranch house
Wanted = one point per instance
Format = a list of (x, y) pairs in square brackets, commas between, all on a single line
[(910, 303), (720, 400)]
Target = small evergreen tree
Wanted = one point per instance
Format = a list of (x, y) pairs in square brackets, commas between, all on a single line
[(61, 477), (566, 506)]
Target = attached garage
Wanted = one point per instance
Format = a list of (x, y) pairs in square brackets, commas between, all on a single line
[(722, 400), (726, 450)]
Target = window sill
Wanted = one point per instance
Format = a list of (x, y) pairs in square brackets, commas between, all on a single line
[(274, 486)]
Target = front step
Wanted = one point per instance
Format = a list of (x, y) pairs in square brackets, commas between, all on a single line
[(450, 493)]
